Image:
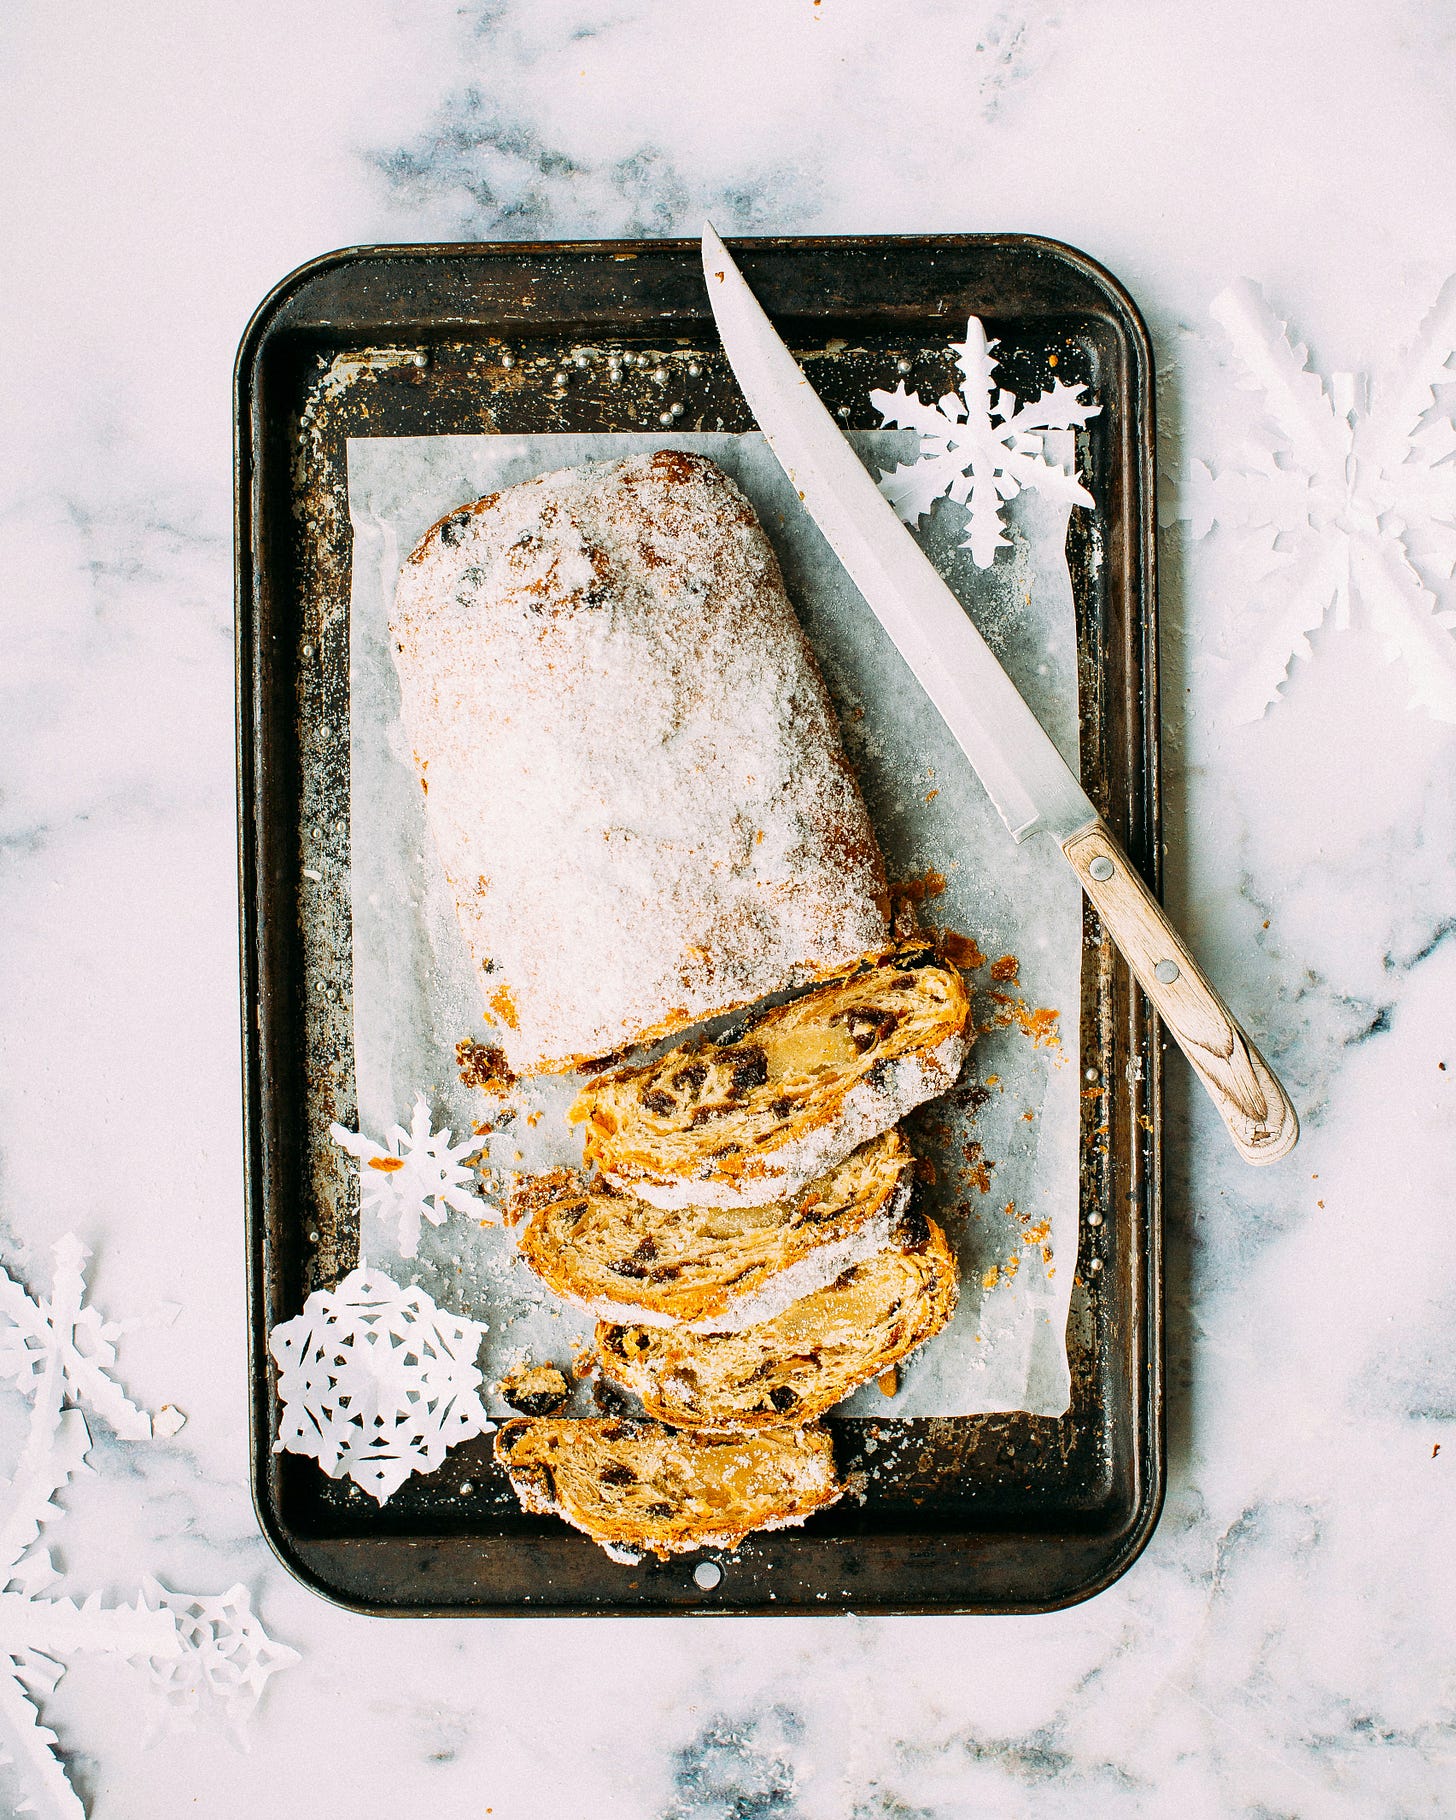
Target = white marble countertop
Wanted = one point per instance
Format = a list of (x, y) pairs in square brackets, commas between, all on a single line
[(1284, 1646)]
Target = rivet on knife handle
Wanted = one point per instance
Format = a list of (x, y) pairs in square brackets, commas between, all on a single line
[(1240, 1082)]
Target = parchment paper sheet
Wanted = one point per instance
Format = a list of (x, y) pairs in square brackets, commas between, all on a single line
[(415, 995)]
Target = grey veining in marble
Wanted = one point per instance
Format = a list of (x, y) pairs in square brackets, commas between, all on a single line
[(1284, 1647)]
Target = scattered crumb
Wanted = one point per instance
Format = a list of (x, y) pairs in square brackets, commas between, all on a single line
[(972, 1096), (929, 884), (504, 1006), (536, 1390), (1041, 1025), (1006, 967), (978, 1167), (989, 1279), (962, 951), (888, 1382), (483, 1067)]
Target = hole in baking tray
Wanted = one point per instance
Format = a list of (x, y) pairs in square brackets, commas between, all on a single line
[(707, 1574)]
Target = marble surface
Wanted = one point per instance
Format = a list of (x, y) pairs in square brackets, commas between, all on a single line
[(1284, 1647)]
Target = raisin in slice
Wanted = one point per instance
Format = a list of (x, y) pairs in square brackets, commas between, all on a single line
[(750, 1069)]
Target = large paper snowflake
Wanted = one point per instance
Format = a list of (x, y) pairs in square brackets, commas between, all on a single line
[(35, 1629), (56, 1350), (1350, 500), (377, 1381), (58, 1342), (414, 1175), (979, 447)]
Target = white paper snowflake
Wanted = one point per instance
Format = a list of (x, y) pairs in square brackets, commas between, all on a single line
[(377, 1381), (1350, 497), (979, 448), (223, 1660), (414, 1175), (54, 1349), (58, 1339)]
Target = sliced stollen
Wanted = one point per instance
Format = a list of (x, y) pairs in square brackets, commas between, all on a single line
[(801, 1362), (720, 1267), (736, 1124), (635, 1485), (633, 775)]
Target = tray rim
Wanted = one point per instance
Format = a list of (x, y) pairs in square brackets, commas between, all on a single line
[(305, 1558)]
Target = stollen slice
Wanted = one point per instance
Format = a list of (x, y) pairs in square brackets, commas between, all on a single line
[(635, 1485), (752, 1120), (722, 1267), (803, 1361)]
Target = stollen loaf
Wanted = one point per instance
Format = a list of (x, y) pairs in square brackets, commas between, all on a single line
[(633, 775)]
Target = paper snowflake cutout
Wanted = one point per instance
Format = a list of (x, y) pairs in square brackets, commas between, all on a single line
[(377, 1381), (1352, 494), (414, 1175), (53, 1349), (980, 448), (223, 1659), (59, 1339)]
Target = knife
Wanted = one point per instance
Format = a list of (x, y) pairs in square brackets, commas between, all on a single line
[(1023, 773)]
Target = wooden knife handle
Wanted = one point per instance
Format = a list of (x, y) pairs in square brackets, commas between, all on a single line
[(1240, 1082)]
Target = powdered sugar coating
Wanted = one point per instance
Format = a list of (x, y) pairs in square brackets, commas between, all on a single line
[(634, 776)]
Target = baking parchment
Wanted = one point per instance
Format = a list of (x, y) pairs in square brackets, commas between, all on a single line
[(1009, 1207)]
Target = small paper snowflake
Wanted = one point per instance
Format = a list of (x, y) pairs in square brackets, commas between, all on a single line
[(979, 448), (414, 1175), (1352, 489), (223, 1660), (377, 1381)]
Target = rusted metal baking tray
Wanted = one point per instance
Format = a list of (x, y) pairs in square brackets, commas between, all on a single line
[(993, 1513)]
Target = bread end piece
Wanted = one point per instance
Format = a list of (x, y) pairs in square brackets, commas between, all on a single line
[(640, 1486)]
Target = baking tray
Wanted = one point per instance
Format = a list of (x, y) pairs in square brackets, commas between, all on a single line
[(989, 1513)]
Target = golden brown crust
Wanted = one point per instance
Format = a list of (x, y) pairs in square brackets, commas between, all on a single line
[(802, 1362), (639, 1486), (600, 1247)]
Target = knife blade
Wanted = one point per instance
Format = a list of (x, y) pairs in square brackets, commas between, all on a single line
[(1025, 776)]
